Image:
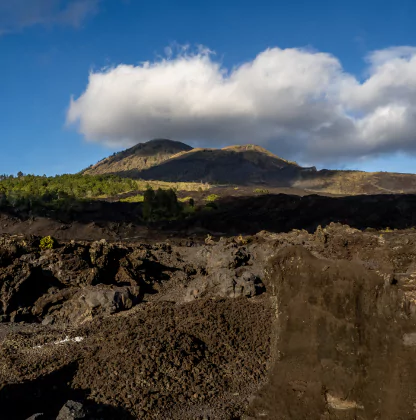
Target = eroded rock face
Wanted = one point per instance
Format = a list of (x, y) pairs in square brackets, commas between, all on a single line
[(339, 335)]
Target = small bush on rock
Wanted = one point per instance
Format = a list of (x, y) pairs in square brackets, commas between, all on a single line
[(212, 197), (46, 243)]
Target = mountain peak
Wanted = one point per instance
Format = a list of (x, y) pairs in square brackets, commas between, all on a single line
[(139, 157)]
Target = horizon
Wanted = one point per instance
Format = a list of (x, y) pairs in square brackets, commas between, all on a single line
[(326, 85)]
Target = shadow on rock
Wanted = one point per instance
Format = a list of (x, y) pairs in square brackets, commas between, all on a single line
[(45, 395), (44, 398)]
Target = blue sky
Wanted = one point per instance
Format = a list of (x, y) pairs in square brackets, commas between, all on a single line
[(47, 54)]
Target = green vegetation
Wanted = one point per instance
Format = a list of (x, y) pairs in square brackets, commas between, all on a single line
[(260, 191), (46, 243), (160, 205), (164, 205), (188, 210), (16, 190), (42, 195), (212, 197), (139, 198)]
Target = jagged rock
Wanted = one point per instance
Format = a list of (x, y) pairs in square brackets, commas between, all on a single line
[(99, 253), (6, 257), (20, 286), (247, 285), (49, 301), (72, 410), (90, 302)]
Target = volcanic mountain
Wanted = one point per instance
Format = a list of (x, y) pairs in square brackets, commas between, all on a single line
[(167, 160)]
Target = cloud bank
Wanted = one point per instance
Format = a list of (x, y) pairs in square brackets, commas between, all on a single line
[(18, 14), (298, 103)]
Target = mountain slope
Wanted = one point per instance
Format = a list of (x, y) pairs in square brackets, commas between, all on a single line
[(232, 165), (139, 157)]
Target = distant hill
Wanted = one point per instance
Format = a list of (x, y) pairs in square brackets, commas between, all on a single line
[(139, 157), (168, 160)]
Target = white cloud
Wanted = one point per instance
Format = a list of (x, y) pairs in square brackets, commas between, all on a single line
[(298, 103), (18, 14)]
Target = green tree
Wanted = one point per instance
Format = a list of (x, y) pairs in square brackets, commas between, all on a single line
[(148, 202)]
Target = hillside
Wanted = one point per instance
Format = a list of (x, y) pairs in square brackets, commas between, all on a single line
[(139, 157), (357, 182)]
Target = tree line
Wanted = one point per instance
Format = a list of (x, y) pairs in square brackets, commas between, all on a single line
[(76, 186), (32, 191)]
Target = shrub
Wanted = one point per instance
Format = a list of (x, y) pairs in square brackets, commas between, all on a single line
[(261, 191), (188, 210), (242, 240), (46, 243), (211, 206), (212, 197), (149, 196), (387, 230), (184, 199)]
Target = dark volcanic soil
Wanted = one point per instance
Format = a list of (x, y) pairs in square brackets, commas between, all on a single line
[(291, 325), (235, 214)]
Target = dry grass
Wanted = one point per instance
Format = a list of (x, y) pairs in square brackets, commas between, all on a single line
[(357, 182), (178, 186), (337, 183), (139, 198)]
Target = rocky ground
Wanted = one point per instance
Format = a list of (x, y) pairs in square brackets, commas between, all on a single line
[(296, 325)]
